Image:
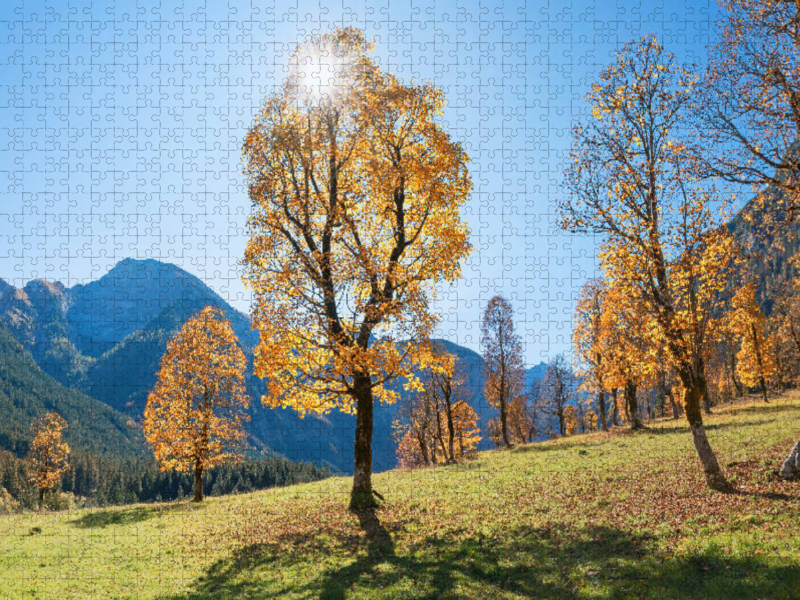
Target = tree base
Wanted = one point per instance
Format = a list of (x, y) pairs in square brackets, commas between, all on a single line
[(364, 500)]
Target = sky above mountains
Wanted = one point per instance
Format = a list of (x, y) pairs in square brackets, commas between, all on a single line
[(121, 126)]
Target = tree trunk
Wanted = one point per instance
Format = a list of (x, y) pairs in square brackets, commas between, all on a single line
[(759, 362), (706, 401), (632, 405), (504, 422), (41, 498), (451, 432), (693, 388), (601, 402), (737, 386), (614, 412), (423, 447), (362, 497), (198, 481), (791, 466), (763, 388), (676, 410)]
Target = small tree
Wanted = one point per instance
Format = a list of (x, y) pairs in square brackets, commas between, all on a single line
[(195, 414), (48, 453), (629, 344), (455, 419), (558, 391), (437, 421), (589, 342), (754, 359), (503, 366)]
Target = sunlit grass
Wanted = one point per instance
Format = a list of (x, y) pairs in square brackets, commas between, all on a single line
[(606, 515)]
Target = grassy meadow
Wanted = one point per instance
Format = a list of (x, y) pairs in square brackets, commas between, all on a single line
[(604, 515)]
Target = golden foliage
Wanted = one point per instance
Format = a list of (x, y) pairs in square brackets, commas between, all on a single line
[(48, 452), (589, 335), (195, 414), (356, 192), (424, 424), (755, 363)]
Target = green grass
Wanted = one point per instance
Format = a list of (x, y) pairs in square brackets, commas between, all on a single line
[(616, 515)]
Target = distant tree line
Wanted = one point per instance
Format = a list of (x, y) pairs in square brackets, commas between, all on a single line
[(104, 481)]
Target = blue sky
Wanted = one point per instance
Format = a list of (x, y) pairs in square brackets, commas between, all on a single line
[(121, 125)]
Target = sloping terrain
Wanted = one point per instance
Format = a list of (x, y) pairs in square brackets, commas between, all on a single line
[(606, 515)]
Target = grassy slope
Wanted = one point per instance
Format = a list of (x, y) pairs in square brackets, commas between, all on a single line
[(600, 516)]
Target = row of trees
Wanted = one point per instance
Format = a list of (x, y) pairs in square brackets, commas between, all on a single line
[(668, 299)]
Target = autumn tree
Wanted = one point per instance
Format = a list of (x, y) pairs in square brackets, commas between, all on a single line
[(754, 359), (438, 420), (48, 453), (628, 344), (631, 179), (558, 391), (722, 357), (750, 99), (456, 421), (194, 417), (522, 419), (503, 365), (589, 341), (414, 431), (356, 190)]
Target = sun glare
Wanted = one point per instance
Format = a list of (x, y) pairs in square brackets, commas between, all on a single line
[(319, 76)]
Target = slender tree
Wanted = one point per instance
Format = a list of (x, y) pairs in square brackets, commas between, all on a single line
[(48, 453), (449, 387), (356, 191), (588, 341), (631, 179), (628, 345), (754, 359), (503, 365), (195, 414), (558, 391)]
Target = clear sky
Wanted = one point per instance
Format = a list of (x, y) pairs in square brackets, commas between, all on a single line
[(121, 125)]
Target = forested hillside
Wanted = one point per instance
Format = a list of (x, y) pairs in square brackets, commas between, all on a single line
[(26, 392)]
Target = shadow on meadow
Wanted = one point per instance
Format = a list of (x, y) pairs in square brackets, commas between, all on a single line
[(561, 563), (94, 518)]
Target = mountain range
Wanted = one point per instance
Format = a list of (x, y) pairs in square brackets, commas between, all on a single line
[(102, 343)]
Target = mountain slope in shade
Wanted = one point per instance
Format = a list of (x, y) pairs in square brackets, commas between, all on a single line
[(106, 339), (26, 392), (771, 243)]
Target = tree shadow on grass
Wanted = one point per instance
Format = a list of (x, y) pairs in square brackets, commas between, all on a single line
[(562, 445), (560, 563), (94, 519)]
